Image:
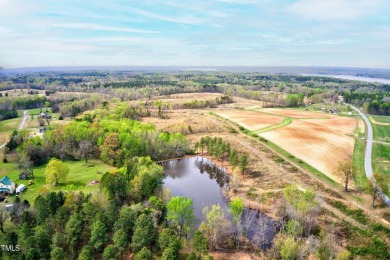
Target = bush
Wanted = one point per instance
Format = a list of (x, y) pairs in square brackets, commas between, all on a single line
[(5, 160)]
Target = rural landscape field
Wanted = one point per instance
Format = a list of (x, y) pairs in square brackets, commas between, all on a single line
[(195, 130)]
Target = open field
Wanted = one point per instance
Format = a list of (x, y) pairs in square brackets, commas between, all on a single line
[(381, 132), (316, 143), (295, 113), (7, 127), (319, 139), (21, 92), (250, 119), (380, 120), (80, 173), (381, 145)]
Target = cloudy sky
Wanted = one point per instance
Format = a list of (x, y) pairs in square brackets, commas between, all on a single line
[(351, 33)]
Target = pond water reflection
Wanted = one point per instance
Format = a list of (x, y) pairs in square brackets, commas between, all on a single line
[(204, 182)]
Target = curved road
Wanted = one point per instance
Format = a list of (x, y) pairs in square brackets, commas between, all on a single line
[(21, 126), (368, 154)]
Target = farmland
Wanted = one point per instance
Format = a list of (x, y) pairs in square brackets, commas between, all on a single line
[(266, 152), (310, 136)]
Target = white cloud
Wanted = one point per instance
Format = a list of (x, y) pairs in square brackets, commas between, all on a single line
[(86, 26), (189, 19), (333, 9)]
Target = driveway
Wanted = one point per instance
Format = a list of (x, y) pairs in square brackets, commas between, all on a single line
[(22, 124)]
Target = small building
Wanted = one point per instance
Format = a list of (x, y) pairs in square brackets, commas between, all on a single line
[(334, 110), (42, 129), (7, 186), (44, 115), (23, 176), (20, 188)]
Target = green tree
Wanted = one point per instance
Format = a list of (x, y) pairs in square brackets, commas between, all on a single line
[(43, 240), (144, 233), (144, 254), (199, 243), (86, 253), (180, 213), (115, 185), (110, 149), (344, 168), (215, 225), (110, 252), (236, 210), (57, 253), (169, 254), (98, 235), (168, 239), (121, 240), (243, 163), (289, 249), (56, 171), (73, 233)]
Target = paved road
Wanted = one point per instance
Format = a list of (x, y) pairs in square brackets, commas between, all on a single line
[(368, 155), (25, 115)]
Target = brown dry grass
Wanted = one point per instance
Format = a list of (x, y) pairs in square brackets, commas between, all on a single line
[(250, 119), (296, 113), (315, 142)]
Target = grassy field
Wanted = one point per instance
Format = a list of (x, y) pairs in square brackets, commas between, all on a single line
[(358, 162), (382, 119), (381, 133), (80, 174), (381, 151), (7, 127)]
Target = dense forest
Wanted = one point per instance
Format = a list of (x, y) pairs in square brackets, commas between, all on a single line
[(71, 89)]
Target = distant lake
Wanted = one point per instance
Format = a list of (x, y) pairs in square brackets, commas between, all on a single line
[(203, 181), (347, 77)]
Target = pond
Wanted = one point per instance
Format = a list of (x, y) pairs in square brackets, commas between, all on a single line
[(204, 182)]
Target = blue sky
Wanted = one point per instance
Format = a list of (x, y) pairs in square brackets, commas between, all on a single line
[(350, 33)]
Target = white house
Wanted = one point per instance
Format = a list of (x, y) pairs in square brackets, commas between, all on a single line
[(7, 186)]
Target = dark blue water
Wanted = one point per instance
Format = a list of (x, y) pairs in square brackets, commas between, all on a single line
[(204, 182)]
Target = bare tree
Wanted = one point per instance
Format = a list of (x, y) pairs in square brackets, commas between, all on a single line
[(85, 149), (3, 218), (379, 186), (26, 165)]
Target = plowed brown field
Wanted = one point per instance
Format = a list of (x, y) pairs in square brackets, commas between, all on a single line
[(319, 142), (251, 120), (296, 113)]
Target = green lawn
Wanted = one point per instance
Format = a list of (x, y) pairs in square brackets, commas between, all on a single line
[(359, 175), (381, 132), (382, 119), (381, 152), (7, 127), (80, 173)]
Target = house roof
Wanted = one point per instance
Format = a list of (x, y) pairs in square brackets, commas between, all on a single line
[(6, 181)]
